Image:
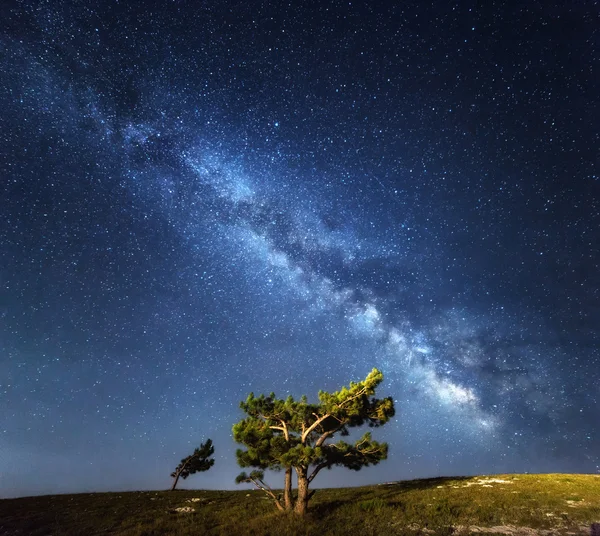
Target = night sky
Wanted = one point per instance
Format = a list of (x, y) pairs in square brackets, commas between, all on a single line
[(202, 199)]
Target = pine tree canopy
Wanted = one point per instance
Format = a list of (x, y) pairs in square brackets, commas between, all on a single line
[(288, 433), (197, 462)]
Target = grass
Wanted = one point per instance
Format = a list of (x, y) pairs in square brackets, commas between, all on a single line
[(545, 504)]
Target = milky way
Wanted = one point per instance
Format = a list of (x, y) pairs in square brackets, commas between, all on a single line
[(205, 199)]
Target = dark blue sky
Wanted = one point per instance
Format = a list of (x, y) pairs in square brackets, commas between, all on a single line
[(203, 199)]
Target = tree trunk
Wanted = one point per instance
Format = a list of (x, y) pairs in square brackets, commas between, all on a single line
[(302, 500), (287, 489), (175, 481)]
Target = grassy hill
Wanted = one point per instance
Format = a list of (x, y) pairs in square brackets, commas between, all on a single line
[(499, 504)]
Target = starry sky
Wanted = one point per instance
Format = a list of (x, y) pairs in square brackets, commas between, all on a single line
[(199, 199)]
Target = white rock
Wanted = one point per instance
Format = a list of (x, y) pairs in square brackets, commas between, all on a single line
[(184, 510)]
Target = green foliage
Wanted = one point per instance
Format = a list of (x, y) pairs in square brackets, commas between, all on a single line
[(285, 433), (199, 461), (254, 475)]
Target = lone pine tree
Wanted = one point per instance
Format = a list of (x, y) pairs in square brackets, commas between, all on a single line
[(199, 461), (295, 434)]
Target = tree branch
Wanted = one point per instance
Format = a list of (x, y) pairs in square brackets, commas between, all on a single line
[(313, 426), (325, 435), (264, 487), (183, 465), (316, 471), (283, 428), (322, 418), (357, 395)]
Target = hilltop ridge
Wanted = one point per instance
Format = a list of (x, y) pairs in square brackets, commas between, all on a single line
[(514, 504)]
